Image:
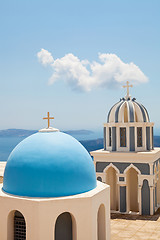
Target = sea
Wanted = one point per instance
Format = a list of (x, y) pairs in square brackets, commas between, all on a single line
[(7, 144)]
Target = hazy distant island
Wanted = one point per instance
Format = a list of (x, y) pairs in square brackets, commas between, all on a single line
[(84, 136), (16, 133), (89, 144), (79, 132), (25, 133)]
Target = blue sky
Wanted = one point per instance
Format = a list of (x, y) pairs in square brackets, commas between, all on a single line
[(128, 29)]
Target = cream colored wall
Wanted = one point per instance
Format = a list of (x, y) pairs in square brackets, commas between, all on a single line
[(132, 157), (2, 168), (111, 179), (127, 125), (101, 228), (105, 200), (132, 190), (158, 186), (41, 214), (138, 157)]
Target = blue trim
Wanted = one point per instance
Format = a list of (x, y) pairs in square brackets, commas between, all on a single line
[(111, 110), (148, 138), (104, 138), (145, 192), (113, 138), (122, 198), (132, 138), (146, 112), (117, 111), (142, 110), (131, 111)]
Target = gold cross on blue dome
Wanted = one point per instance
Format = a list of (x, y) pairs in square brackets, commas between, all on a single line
[(48, 118)]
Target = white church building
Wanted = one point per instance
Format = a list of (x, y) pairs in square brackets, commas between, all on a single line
[(50, 191), (129, 163)]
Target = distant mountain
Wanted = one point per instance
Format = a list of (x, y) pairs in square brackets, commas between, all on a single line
[(92, 145), (78, 132), (156, 141), (26, 133), (16, 133)]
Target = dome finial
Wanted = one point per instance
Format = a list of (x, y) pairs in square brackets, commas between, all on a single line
[(127, 86), (48, 118), (49, 129)]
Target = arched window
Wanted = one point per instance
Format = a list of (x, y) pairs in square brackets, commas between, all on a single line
[(101, 223), (63, 227), (16, 226), (19, 226)]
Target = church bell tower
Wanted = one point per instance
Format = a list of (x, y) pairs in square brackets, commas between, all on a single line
[(129, 163), (128, 126)]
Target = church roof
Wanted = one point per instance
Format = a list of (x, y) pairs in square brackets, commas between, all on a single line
[(49, 164), (128, 110)]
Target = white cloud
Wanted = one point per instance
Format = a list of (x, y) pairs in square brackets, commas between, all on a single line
[(45, 57), (83, 75)]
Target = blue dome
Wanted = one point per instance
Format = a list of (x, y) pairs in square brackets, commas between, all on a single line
[(49, 164)]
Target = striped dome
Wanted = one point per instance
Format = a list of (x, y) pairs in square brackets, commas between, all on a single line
[(128, 110)]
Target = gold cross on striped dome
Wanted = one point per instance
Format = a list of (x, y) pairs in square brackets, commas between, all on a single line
[(127, 86)]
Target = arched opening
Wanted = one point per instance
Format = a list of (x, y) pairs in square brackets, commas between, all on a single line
[(99, 179), (64, 229), (145, 198), (111, 179), (132, 190), (101, 223), (16, 226)]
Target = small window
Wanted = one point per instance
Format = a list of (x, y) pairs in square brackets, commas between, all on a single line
[(139, 137), (122, 137), (19, 226), (99, 179), (110, 138)]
